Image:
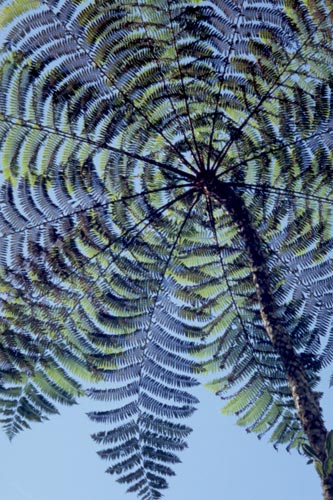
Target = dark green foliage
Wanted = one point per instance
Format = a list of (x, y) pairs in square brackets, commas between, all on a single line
[(116, 262)]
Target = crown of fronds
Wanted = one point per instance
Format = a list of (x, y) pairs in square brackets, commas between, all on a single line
[(116, 262)]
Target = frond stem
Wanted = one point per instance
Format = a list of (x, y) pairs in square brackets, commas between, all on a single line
[(97, 144), (80, 211), (276, 83), (289, 193), (81, 46)]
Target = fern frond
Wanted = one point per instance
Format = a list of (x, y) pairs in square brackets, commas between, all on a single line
[(117, 122)]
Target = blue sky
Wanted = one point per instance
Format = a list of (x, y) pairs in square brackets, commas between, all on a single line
[(57, 460)]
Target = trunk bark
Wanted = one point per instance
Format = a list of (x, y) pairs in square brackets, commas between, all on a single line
[(306, 400), (327, 485)]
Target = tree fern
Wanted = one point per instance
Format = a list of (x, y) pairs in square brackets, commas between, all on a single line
[(167, 210)]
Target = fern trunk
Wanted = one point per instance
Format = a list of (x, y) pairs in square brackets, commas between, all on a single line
[(305, 398), (327, 484)]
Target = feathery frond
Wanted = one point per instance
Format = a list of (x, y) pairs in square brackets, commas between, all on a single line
[(118, 125)]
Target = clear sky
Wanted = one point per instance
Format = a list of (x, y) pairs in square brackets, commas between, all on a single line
[(56, 460)]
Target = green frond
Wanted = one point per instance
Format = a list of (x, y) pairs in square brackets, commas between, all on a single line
[(12, 11), (117, 262)]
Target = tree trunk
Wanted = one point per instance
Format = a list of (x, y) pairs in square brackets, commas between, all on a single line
[(305, 398), (327, 485)]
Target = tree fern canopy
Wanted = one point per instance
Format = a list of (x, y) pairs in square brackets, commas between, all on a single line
[(120, 124)]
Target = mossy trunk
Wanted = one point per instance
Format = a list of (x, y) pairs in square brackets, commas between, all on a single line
[(305, 398)]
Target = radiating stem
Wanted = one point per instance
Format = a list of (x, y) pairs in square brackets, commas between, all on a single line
[(305, 398)]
